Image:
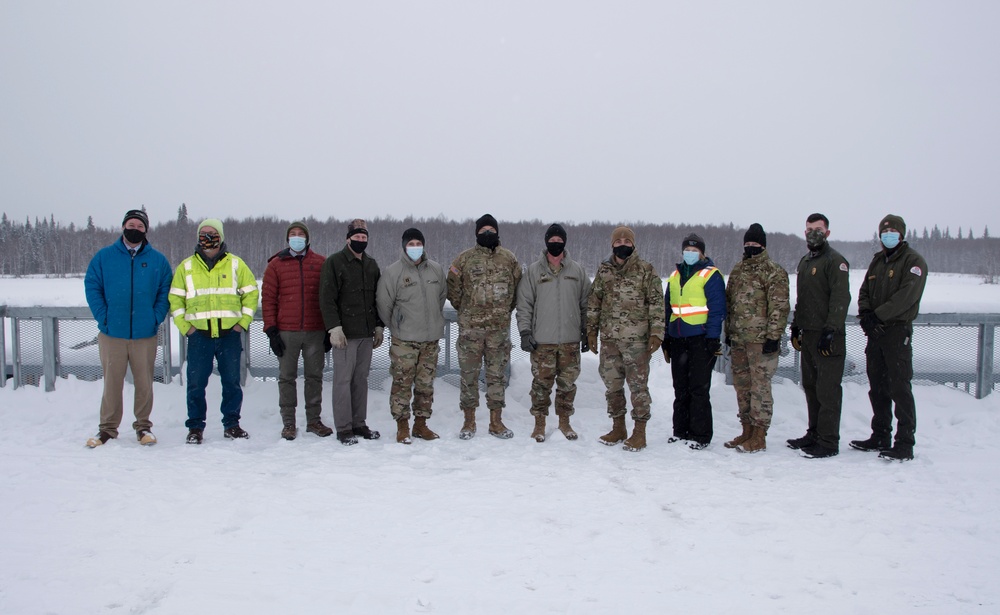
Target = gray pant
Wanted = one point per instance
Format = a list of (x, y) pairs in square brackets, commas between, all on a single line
[(310, 345), (350, 384)]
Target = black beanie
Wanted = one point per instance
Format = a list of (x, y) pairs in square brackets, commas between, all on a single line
[(137, 214), (694, 240), (410, 234), (893, 221), (556, 230), (755, 234), (487, 220)]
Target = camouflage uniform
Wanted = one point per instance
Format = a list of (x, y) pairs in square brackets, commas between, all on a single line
[(482, 287), (412, 364), (757, 309), (558, 364), (626, 307)]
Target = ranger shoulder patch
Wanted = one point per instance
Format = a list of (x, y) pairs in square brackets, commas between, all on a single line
[(916, 271), (843, 266)]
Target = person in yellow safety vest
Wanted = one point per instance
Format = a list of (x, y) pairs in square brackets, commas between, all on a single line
[(696, 309), (213, 298)]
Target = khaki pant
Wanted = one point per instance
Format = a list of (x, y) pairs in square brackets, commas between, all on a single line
[(117, 354), (308, 344)]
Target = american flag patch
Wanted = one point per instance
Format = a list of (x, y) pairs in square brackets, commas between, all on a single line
[(455, 270)]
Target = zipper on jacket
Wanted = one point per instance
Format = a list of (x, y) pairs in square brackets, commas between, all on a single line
[(302, 292), (131, 293)]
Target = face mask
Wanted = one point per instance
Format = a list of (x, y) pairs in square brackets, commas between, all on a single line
[(555, 248), (209, 242), (414, 252), (297, 243), (816, 238), (623, 252), (134, 235), (690, 257), (890, 239), (488, 239), (751, 251), (358, 247)]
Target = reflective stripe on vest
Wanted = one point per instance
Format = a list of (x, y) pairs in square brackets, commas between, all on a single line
[(690, 303)]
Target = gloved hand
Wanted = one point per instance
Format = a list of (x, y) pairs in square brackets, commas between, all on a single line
[(337, 337), (584, 344), (771, 346), (713, 345), (592, 341), (528, 342), (274, 339), (796, 338), (327, 346), (825, 346), (871, 324), (729, 341), (379, 337), (666, 350), (655, 343)]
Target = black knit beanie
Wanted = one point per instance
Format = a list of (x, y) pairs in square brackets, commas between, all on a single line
[(487, 220), (410, 234), (556, 230), (755, 234)]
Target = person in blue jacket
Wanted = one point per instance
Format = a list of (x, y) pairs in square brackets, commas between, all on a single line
[(127, 285), (696, 308)]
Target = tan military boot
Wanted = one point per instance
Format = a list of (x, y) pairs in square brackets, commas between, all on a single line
[(638, 440), (497, 428), (403, 431), (565, 428), (469, 426), (617, 433), (422, 431), (539, 433), (756, 442), (740, 439)]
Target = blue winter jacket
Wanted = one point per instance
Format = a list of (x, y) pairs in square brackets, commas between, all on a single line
[(715, 294), (128, 296)]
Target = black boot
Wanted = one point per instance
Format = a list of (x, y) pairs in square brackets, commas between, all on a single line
[(235, 433), (818, 451), (804, 441), (874, 443), (899, 452), (347, 438), (367, 434), (195, 436)]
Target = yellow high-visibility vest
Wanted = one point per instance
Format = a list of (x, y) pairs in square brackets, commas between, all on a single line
[(690, 303)]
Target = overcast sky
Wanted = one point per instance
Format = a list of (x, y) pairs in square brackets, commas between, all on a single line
[(684, 112)]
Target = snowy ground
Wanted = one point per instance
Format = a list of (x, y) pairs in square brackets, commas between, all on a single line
[(492, 526)]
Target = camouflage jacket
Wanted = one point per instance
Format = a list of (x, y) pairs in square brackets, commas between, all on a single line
[(482, 287), (626, 301), (757, 303)]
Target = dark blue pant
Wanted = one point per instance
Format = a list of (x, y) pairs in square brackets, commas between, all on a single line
[(202, 351), (691, 367)]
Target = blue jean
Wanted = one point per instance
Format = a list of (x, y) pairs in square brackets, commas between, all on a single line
[(202, 351)]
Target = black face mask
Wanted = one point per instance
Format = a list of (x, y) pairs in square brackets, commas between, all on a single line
[(134, 235), (623, 252), (751, 251), (488, 239), (358, 247), (555, 248)]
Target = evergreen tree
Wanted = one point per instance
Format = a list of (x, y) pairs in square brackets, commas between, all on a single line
[(182, 214), (986, 232), (90, 224)]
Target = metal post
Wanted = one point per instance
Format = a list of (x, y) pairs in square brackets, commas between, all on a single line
[(245, 365), (49, 352), (168, 359), (3, 349), (15, 350), (984, 361)]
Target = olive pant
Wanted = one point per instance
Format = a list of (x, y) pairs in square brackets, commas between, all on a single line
[(310, 345), (889, 358), (821, 378)]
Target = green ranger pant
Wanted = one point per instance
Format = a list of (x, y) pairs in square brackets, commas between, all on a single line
[(890, 370), (413, 366), (558, 364), (752, 374), (821, 378), (475, 347)]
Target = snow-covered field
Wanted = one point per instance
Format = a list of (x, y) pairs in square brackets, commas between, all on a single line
[(492, 526)]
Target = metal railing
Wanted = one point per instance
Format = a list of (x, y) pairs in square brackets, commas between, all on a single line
[(48, 343)]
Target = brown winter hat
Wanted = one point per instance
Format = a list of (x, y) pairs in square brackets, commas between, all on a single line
[(357, 225), (300, 225), (893, 221), (622, 232)]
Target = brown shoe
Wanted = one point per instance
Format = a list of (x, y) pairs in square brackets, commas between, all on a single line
[(756, 442), (638, 440), (317, 427), (565, 428), (469, 426), (539, 433), (497, 428), (403, 430), (422, 431), (617, 433), (288, 431), (740, 439)]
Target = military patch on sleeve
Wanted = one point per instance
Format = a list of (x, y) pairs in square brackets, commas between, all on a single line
[(843, 267), (916, 271), (455, 270)]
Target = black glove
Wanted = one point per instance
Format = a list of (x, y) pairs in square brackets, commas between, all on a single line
[(713, 345), (277, 344), (584, 346), (729, 341), (327, 346), (528, 343), (796, 338), (871, 324), (825, 346), (771, 346)]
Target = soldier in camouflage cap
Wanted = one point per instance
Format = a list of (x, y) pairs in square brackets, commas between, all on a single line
[(626, 307), (756, 313), (482, 287)]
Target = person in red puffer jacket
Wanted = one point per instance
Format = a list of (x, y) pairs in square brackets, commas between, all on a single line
[(294, 324)]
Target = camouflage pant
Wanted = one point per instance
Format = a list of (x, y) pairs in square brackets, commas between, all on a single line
[(474, 347), (623, 362), (559, 364), (752, 374), (412, 365)]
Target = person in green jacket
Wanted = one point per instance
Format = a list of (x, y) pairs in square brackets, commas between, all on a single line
[(213, 298), (888, 302)]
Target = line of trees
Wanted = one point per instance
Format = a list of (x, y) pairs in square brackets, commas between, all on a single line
[(47, 247)]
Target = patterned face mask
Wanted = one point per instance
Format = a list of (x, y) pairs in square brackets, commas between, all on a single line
[(815, 238), (209, 241)]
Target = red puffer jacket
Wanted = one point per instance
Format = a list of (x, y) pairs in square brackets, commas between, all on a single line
[(290, 293)]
